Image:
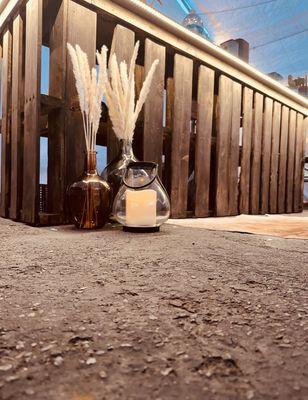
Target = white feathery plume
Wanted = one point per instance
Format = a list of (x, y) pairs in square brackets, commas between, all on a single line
[(90, 88), (120, 92)]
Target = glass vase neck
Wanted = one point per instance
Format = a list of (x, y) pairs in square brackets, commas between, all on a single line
[(126, 148), (91, 162)]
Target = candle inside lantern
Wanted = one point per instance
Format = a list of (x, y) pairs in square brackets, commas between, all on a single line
[(141, 208)]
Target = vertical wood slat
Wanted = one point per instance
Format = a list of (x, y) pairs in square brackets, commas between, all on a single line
[(290, 161), (81, 30), (255, 176), (266, 154), (224, 120), (298, 164), (6, 123), (203, 140), (17, 107), (122, 45), (30, 203), (167, 141), (56, 119), (305, 153), (235, 149), (153, 109), (183, 74), (282, 174), (275, 158), (246, 151)]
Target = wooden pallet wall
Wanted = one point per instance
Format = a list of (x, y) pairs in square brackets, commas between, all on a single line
[(223, 148)]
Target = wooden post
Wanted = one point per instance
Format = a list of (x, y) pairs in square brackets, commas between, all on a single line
[(291, 158), (266, 154), (6, 123), (30, 203), (81, 30), (153, 110), (298, 164), (56, 119), (183, 70), (282, 175), (203, 140), (123, 43), (256, 154), (17, 108), (275, 158), (234, 149), (246, 151)]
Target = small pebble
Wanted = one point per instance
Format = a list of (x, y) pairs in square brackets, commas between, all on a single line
[(6, 367), (103, 375), (58, 361), (91, 361)]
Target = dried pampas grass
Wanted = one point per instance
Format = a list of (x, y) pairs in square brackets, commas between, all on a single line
[(90, 88), (120, 92)]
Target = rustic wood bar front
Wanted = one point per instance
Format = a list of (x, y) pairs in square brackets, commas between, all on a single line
[(227, 138)]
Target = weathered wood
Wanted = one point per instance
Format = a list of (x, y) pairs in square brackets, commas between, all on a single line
[(246, 151), (153, 109), (290, 162), (17, 108), (55, 106), (255, 176), (183, 70), (298, 164), (203, 140), (283, 153), (30, 204), (235, 149), (122, 45), (167, 138), (304, 159), (266, 154), (275, 158), (6, 123), (81, 30), (224, 125)]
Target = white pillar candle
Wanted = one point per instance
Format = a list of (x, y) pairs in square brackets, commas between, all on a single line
[(141, 208)]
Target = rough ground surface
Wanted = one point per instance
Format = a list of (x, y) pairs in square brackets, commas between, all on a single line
[(181, 314)]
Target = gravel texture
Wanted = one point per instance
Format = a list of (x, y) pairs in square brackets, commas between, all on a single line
[(181, 314)]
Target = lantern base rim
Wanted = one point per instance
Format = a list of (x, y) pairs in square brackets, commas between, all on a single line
[(141, 229)]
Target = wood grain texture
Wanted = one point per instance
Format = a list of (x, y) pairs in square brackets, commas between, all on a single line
[(283, 158), (235, 149), (305, 154), (273, 195), (57, 181), (153, 109), (298, 164), (266, 154), (246, 151), (6, 123), (183, 69), (256, 151), (81, 30), (17, 129), (290, 161), (203, 140), (30, 203), (123, 43), (224, 126)]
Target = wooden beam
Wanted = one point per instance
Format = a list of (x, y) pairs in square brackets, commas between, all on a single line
[(298, 164), (30, 203), (256, 154), (17, 128), (246, 151), (183, 73), (123, 43), (81, 30), (55, 106), (275, 158), (153, 109), (290, 162), (205, 110), (283, 158), (6, 123)]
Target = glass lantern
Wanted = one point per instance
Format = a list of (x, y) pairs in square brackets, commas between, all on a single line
[(142, 203)]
